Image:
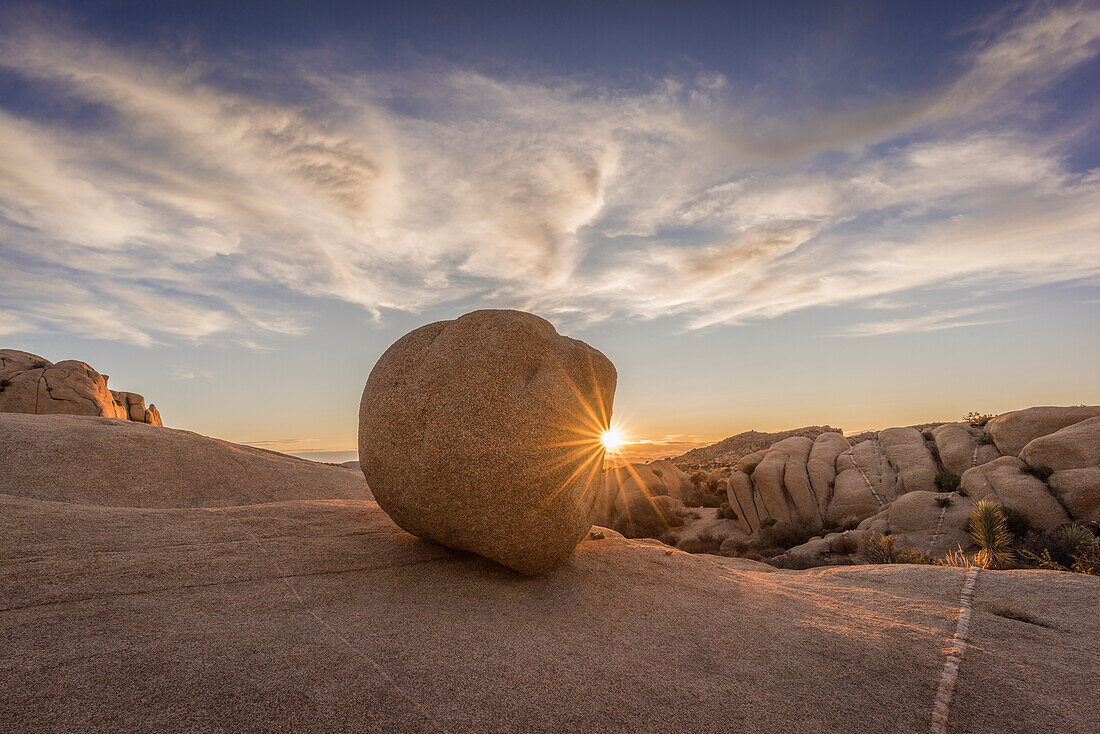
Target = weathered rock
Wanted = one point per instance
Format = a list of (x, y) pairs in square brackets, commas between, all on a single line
[(1074, 447), (1079, 491), (908, 453), (782, 484), (37, 386), (921, 523), (739, 494), (865, 482), (821, 466), (483, 434), (1012, 431), (115, 462), (1004, 481), (957, 444)]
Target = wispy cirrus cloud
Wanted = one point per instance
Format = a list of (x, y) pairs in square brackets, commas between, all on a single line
[(183, 208)]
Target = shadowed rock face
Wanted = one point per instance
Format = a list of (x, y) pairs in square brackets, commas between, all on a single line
[(32, 384), (483, 434)]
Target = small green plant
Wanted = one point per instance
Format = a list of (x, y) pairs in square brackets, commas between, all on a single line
[(750, 467), (943, 500), (947, 481), (989, 529), (975, 418), (596, 535), (1040, 471), (985, 439), (883, 549), (725, 512)]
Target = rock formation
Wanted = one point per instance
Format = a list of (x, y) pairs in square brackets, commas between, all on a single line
[(869, 481), (96, 461), (483, 434), (31, 384)]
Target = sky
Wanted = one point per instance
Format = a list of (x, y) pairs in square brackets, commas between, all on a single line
[(767, 215)]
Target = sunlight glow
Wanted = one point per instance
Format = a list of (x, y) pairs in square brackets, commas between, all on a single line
[(612, 439)]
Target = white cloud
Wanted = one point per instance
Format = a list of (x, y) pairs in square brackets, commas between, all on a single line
[(936, 320), (185, 211)]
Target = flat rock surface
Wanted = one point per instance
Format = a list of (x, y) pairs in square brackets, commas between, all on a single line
[(106, 461), (322, 615)]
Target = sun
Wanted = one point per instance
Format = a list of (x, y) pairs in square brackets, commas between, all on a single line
[(612, 439)]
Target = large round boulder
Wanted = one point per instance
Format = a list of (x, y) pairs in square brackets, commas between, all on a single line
[(483, 434)]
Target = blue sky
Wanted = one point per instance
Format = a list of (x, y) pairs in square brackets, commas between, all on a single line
[(767, 215)]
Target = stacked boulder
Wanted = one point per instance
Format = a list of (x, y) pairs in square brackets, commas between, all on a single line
[(31, 384), (1041, 462)]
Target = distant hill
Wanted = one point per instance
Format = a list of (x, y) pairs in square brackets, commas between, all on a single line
[(733, 448)]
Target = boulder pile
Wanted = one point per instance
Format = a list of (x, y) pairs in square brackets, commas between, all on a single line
[(31, 384)]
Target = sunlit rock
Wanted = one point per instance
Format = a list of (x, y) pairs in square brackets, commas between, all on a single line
[(483, 434)]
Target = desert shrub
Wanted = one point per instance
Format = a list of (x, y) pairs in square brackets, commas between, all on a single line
[(698, 477), (943, 500), (975, 418), (947, 481), (785, 535), (1041, 471), (1088, 561), (985, 439), (597, 535), (989, 529), (962, 491), (927, 433), (704, 542), (1070, 547), (955, 559), (883, 549), (793, 563), (750, 467), (1018, 523), (828, 526), (725, 512), (844, 545)]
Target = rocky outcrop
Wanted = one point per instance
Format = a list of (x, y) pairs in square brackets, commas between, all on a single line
[(1012, 431), (1079, 492), (959, 449), (736, 447), (1006, 482), (483, 434), (840, 482), (906, 451), (31, 384), (111, 462), (1074, 447)]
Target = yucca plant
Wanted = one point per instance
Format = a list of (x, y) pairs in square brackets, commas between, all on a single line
[(989, 529)]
